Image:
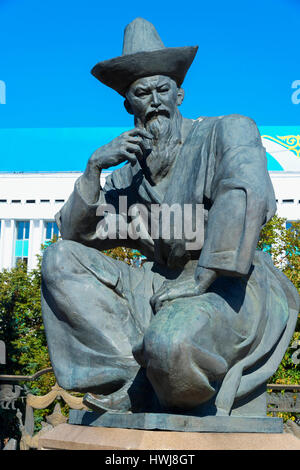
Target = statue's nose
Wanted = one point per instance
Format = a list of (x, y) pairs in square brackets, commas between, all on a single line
[(155, 103)]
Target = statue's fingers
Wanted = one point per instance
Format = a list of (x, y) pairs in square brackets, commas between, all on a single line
[(130, 156), (134, 148), (141, 132), (183, 290), (138, 141)]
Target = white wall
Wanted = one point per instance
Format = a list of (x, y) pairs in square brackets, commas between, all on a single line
[(287, 189), (58, 186)]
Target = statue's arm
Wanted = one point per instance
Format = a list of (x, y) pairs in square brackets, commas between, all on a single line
[(78, 218), (243, 199)]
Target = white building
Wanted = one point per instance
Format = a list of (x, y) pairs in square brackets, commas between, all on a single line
[(28, 204), (287, 191), (29, 201)]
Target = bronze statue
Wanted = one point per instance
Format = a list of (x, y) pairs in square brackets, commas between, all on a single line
[(197, 327)]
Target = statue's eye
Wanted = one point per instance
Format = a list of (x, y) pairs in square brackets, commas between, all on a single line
[(163, 89), (140, 93)]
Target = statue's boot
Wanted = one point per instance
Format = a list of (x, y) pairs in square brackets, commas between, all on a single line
[(135, 396), (117, 402)]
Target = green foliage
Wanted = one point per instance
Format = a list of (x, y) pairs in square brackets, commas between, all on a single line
[(284, 247), (21, 325), (22, 330), (131, 257)]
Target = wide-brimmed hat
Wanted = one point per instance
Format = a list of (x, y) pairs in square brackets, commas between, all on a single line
[(144, 55)]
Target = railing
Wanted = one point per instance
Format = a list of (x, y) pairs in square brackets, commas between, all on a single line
[(280, 398), (10, 393), (25, 378), (283, 398)]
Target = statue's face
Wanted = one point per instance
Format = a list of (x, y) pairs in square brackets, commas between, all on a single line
[(150, 97)]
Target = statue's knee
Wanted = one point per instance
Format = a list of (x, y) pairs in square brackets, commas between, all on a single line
[(55, 259), (177, 366), (164, 351)]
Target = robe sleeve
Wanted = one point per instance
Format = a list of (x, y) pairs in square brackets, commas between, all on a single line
[(242, 197), (77, 220)]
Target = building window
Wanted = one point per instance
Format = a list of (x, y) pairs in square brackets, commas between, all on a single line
[(51, 231), (22, 240)]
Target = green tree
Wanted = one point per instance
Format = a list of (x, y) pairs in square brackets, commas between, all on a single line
[(131, 257), (21, 325), (22, 330), (284, 247)]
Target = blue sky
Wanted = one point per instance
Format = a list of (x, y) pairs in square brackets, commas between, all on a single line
[(247, 60)]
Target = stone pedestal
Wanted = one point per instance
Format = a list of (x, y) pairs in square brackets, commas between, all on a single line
[(175, 422), (75, 437)]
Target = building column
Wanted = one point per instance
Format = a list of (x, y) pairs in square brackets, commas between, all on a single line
[(7, 245), (35, 241)]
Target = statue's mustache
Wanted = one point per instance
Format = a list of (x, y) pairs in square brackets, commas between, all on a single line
[(155, 113)]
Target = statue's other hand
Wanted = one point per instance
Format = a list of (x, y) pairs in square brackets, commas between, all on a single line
[(171, 290), (127, 146)]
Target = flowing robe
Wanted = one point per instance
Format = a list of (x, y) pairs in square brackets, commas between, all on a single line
[(225, 343)]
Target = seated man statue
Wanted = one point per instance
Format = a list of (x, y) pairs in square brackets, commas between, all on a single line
[(199, 322)]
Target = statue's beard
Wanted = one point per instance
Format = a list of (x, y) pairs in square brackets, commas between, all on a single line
[(164, 146), (160, 126)]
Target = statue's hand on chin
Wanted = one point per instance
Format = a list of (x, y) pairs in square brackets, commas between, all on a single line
[(171, 290), (128, 146)]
